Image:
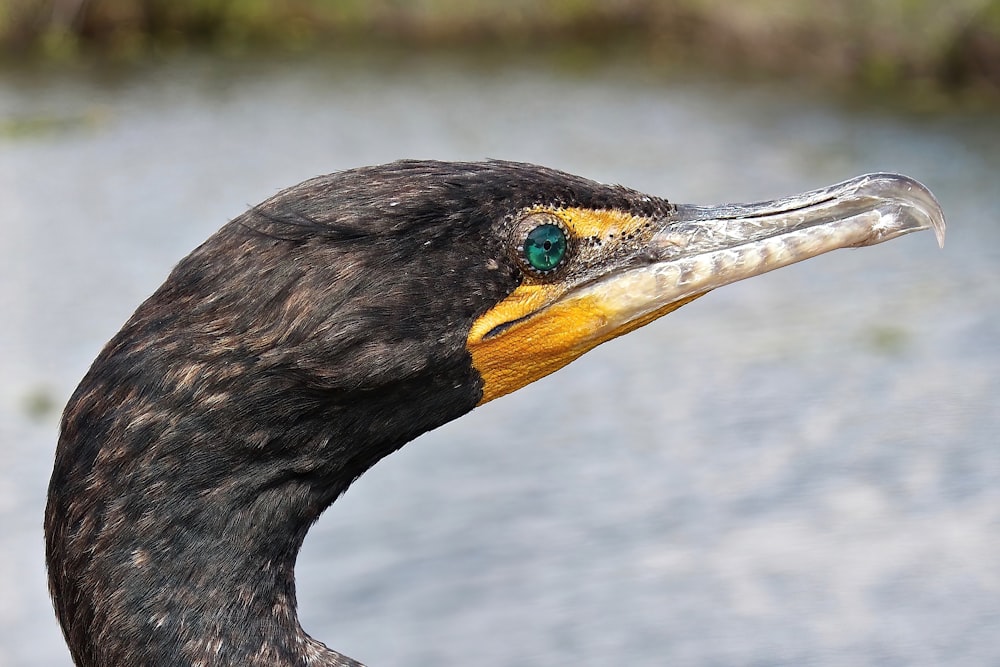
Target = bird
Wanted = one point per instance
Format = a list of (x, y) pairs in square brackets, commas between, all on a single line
[(323, 329)]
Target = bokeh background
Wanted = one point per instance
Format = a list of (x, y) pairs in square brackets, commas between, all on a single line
[(802, 469)]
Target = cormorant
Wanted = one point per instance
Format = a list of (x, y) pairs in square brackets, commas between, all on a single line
[(325, 328)]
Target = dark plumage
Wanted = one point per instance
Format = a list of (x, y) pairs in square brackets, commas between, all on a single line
[(325, 328), (304, 341)]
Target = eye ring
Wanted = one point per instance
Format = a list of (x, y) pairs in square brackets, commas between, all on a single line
[(545, 247)]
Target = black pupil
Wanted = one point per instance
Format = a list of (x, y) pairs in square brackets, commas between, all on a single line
[(545, 247)]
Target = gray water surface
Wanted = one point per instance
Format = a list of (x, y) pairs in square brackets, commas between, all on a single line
[(803, 469)]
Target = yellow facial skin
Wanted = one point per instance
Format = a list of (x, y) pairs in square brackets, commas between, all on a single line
[(552, 322)]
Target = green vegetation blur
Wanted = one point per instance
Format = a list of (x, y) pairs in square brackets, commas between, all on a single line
[(890, 44)]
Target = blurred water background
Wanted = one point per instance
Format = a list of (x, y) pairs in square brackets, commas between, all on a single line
[(803, 469)]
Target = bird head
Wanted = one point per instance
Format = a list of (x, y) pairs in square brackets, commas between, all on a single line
[(447, 285), (334, 322)]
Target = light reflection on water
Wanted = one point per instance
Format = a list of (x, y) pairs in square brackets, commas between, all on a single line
[(800, 469)]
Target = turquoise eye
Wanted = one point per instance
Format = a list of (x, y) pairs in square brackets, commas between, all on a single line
[(545, 247)]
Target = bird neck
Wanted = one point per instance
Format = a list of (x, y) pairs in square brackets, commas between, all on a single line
[(173, 527), (190, 466), (220, 588), (204, 578)]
